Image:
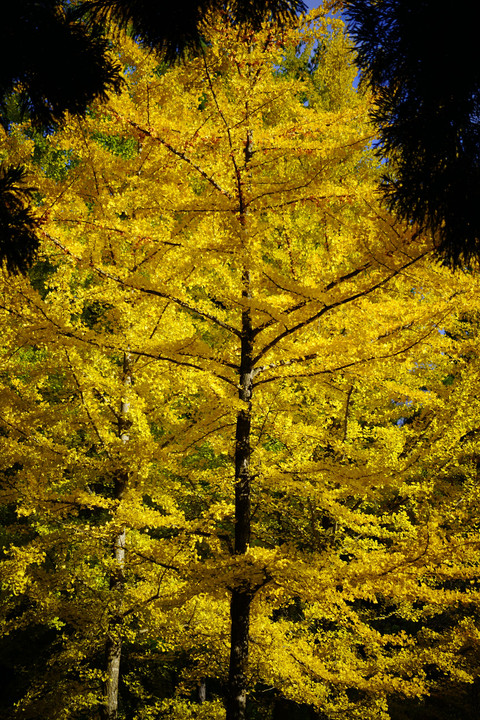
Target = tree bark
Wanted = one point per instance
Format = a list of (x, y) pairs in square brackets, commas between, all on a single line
[(202, 691), (113, 645), (242, 595)]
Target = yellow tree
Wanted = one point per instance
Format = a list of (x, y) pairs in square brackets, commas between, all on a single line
[(79, 468), (239, 326)]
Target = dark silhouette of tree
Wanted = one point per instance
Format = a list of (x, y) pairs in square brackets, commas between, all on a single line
[(51, 62), (18, 237), (421, 60), (172, 27)]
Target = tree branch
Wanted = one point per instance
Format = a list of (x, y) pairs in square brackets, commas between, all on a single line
[(326, 308)]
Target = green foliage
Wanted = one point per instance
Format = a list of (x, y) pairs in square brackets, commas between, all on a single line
[(56, 163), (125, 147)]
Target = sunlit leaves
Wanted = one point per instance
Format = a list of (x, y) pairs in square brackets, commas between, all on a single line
[(182, 186)]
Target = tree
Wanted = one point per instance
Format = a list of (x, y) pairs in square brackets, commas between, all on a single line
[(420, 62), (50, 63), (173, 28), (18, 237), (53, 62), (220, 286)]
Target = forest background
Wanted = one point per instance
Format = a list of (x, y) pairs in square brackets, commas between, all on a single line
[(239, 421)]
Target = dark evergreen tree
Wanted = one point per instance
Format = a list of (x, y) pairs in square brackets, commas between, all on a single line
[(50, 61), (49, 64), (421, 60), (173, 26), (18, 237)]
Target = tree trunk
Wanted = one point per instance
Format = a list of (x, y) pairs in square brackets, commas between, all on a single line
[(237, 678), (113, 645), (202, 691), (242, 595)]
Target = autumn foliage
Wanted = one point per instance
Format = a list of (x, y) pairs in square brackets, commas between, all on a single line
[(238, 412)]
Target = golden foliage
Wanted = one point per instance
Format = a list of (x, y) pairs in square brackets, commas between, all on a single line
[(364, 546)]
